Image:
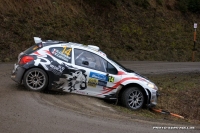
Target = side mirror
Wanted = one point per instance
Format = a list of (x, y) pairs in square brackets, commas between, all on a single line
[(85, 63)]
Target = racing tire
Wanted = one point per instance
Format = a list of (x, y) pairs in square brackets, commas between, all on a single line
[(35, 79), (133, 98)]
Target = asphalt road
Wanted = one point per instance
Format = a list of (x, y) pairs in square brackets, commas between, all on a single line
[(23, 111)]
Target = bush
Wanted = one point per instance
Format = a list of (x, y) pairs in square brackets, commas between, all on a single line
[(189, 5), (142, 3), (101, 3), (194, 6), (182, 5)]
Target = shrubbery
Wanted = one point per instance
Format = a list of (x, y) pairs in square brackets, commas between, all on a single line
[(182, 5), (194, 6), (124, 29), (189, 5)]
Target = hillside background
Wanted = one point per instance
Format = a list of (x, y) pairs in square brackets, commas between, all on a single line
[(154, 30)]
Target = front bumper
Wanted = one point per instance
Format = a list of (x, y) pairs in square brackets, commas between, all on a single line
[(17, 73), (152, 102)]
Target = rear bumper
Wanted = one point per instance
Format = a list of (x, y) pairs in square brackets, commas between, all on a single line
[(17, 73)]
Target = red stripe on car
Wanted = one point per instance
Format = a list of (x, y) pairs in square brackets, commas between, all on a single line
[(37, 53), (121, 73), (48, 52), (106, 89)]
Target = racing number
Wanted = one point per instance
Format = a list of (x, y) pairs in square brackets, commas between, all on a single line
[(111, 79), (66, 51)]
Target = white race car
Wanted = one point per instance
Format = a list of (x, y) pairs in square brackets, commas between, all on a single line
[(81, 69)]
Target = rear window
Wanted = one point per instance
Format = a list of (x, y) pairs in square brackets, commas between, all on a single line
[(62, 53), (33, 48)]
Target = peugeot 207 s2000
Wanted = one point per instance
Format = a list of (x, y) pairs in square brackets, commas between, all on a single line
[(81, 69)]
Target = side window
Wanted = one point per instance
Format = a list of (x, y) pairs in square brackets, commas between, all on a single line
[(93, 61), (84, 58), (62, 53), (109, 68), (88, 59)]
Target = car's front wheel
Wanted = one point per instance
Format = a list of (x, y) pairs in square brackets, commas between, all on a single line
[(35, 79), (133, 98)]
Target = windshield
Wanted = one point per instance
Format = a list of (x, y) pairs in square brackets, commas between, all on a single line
[(124, 68), (120, 66)]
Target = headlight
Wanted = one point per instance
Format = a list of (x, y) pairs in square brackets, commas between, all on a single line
[(151, 85)]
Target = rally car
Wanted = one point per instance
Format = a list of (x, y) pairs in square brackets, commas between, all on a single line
[(81, 69)]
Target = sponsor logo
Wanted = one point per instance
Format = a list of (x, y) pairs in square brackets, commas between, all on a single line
[(80, 92), (56, 69), (97, 79), (49, 65), (98, 76), (102, 83), (45, 62), (92, 82)]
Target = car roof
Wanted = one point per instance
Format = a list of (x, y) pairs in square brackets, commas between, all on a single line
[(92, 48)]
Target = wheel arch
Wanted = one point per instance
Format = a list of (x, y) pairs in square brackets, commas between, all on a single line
[(32, 68), (145, 91)]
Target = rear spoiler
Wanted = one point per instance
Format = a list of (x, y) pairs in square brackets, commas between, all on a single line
[(37, 40)]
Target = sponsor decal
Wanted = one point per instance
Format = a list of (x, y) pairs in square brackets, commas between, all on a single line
[(98, 79), (102, 83), (101, 53), (80, 92), (57, 70), (43, 62), (36, 47), (111, 79), (77, 80), (50, 65), (98, 76), (60, 55), (92, 82)]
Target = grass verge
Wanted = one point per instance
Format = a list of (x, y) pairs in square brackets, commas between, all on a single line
[(179, 94)]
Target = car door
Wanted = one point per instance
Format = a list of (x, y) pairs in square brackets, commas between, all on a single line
[(59, 67), (101, 76)]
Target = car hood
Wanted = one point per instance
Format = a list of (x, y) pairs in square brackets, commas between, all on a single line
[(137, 75)]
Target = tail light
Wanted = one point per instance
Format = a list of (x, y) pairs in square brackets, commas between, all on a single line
[(26, 59)]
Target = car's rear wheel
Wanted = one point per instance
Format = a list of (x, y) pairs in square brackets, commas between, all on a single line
[(35, 79), (133, 98)]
